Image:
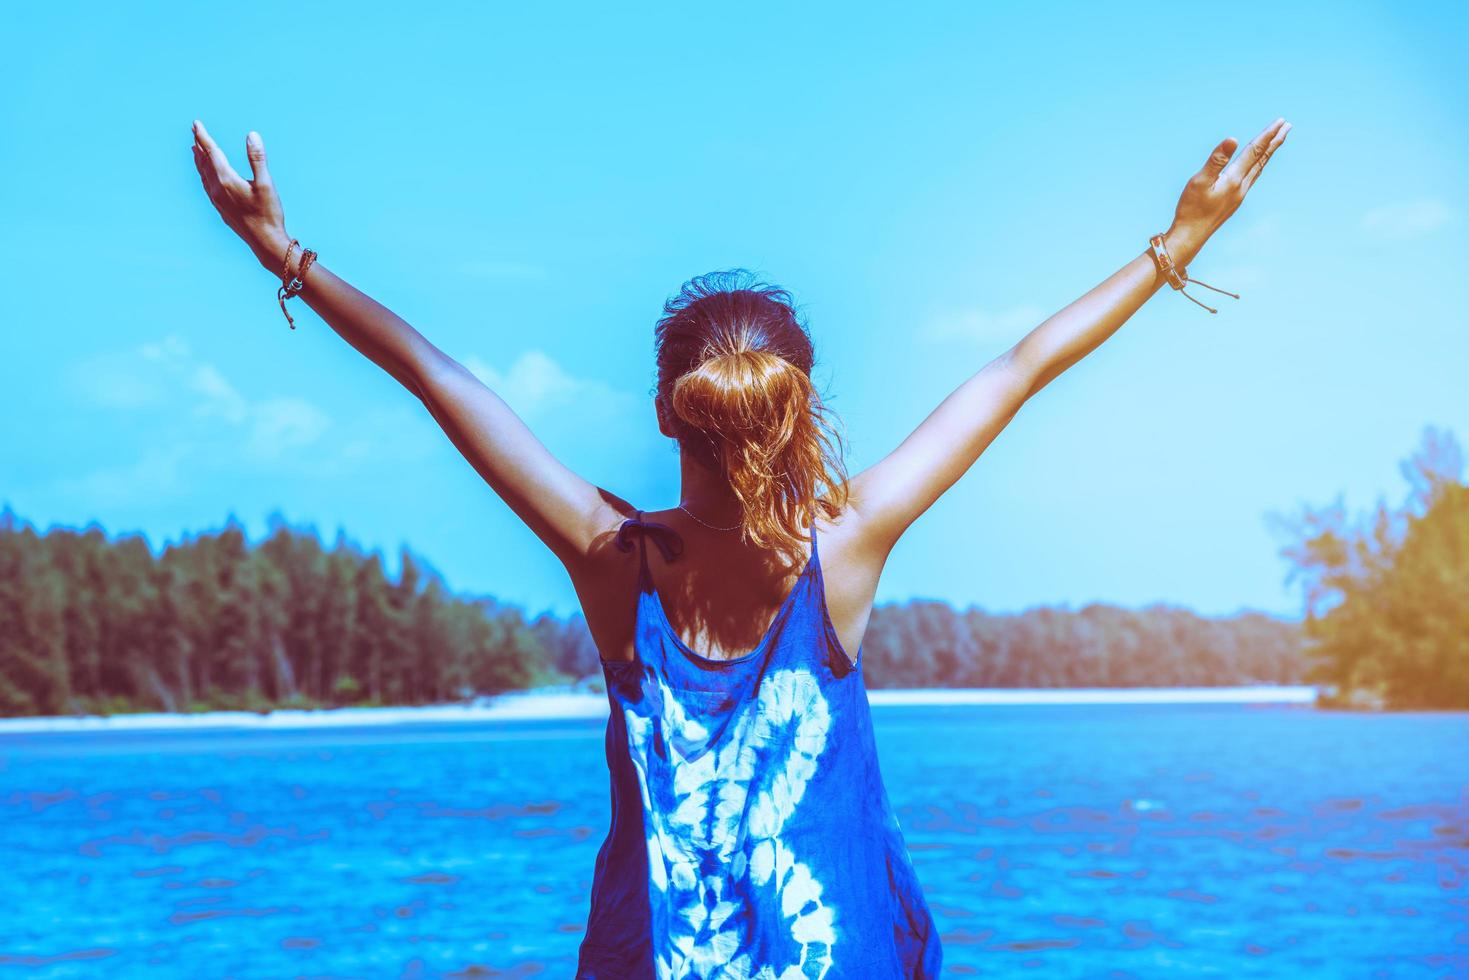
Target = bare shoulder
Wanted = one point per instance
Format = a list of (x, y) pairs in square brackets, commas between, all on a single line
[(605, 578), (852, 559)]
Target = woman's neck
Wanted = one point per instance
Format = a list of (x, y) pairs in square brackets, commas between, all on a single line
[(707, 494)]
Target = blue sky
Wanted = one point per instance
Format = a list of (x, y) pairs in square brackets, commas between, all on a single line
[(527, 185)]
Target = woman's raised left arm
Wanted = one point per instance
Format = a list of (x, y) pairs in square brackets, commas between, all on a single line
[(565, 511), (1209, 199), (892, 493)]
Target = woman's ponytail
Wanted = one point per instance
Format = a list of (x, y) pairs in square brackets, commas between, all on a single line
[(759, 414)]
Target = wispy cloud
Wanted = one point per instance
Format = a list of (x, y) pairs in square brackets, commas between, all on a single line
[(279, 425), (607, 433), (1407, 218), (105, 381), (161, 373), (196, 418), (984, 326), (153, 477), (218, 396), (535, 385), (171, 349), (398, 432), (199, 422), (134, 379)]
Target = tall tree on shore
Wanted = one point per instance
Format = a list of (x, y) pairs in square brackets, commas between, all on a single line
[(1387, 595)]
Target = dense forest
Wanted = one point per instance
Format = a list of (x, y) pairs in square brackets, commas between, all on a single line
[(1387, 593), (92, 624)]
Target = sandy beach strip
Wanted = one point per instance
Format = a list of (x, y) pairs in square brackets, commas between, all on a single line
[(560, 704)]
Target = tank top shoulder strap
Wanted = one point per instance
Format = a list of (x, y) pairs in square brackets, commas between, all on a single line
[(666, 538), (814, 569)]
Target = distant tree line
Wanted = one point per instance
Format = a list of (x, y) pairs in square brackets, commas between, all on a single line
[(1387, 595), (930, 644), (89, 624)]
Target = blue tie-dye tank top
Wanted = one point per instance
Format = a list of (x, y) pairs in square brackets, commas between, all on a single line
[(751, 835)]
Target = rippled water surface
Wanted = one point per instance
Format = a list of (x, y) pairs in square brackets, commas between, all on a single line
[(1056, 841)]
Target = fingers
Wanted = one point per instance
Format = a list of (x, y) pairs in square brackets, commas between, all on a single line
[(255, 150), (1252, 154), (223, 172), (206, 170), (1220, 157), (1259, 165)]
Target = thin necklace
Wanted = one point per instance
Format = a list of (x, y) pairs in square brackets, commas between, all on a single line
[(706, 523)]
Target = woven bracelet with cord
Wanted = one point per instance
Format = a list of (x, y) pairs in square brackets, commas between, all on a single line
[(1179, 278), (294, 285)]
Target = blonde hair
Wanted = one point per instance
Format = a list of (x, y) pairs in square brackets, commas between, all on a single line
[(735, 369)]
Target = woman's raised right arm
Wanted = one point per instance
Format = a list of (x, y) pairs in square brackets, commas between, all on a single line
[(252, 210), (565, 511), (891, 494)]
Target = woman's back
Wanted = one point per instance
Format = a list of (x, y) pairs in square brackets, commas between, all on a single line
[(719, 593), (751, 833)]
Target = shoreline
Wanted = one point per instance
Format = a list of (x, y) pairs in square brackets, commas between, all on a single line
[(559, 703)]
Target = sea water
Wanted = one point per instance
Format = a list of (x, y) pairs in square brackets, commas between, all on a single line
[(1136, 840)]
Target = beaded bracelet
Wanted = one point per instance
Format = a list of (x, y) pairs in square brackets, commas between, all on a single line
[(293, 286), (1178, 277)]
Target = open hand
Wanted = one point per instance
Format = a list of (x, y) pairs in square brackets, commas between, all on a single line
[(1217, 190), (251, 208)]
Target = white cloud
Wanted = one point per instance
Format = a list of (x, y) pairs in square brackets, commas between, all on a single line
[(220, 397), (172, 349), (161, 369), (606, 433), (108, 381), (156, 374), (1407, 218), (395, 431), (535, 385), (985, 326), (154, 476), (278, 425), (201, 423), (141, 378), (208, 421)]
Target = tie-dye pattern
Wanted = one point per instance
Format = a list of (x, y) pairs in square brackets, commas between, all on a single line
[(751, 837)]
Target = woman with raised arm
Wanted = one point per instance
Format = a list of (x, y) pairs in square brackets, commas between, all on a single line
[(751, 834)]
